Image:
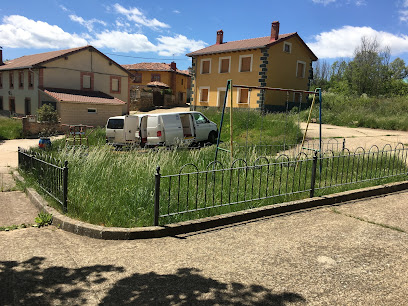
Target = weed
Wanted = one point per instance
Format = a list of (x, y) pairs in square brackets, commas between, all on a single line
[(43, 219), (13, 227)]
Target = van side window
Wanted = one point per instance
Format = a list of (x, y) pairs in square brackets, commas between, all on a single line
[(115, 124), (200, 118)]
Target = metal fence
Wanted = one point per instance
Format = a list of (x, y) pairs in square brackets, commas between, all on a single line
[(50, 174), (192, 191)]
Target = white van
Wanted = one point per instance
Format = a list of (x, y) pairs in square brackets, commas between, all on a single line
[(123, 130), (175, 128)]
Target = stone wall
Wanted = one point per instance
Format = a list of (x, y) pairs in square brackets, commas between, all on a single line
[(32, 127)]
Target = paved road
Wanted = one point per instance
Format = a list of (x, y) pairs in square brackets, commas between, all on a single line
[(350, 254)]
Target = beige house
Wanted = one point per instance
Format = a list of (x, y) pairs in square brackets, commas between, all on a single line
[(82, 84)]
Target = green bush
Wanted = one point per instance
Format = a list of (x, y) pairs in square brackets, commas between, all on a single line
[(46, 113)]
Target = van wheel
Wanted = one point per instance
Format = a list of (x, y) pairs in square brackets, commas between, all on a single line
[(212, 137)]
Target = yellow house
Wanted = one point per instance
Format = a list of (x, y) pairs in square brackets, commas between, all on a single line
[(278, 61), (179, 81), (82, 84)]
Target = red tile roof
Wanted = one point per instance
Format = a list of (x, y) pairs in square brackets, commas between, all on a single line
[(36, 59), (152, 67), (82, 96), (246, 44)]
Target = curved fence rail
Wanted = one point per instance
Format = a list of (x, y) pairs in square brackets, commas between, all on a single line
[(218, 186), (50, 174)]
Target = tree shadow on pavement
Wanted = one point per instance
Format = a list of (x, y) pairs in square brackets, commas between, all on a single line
[(32, 282), (188, 287)]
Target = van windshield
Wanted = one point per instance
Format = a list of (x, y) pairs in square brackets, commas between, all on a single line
[(115, 124)]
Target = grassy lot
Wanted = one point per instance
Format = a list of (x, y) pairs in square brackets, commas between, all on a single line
[(370, 112), (116, 188), (10, 128)]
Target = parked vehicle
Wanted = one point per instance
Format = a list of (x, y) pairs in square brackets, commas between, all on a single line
[(123, 130), (176, 128)]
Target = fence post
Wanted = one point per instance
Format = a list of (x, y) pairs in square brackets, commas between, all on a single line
[(344, 145), (19, 158), (313, 181), (157, 196), (65, 187)]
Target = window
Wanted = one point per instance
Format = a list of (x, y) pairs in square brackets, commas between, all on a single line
[(11, 79), (115, 124), (205, 66), (182, 81), (92, 110), (224, 64), (137, 78), (245, 63), (1, 103), (287, 47), (1, 80), (300, 69), (87, 79), (156, 77), (21, 79), (199, 118), (27, 106), (86, 82), (30, 79), (243, 95), (12, 105), (204, 94), (115, 84)]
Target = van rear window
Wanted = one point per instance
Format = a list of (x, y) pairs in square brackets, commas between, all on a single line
[(115, 124)]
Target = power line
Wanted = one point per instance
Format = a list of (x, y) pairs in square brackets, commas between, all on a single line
[(152, 58)]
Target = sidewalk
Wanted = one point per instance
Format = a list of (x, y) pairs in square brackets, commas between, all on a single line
[(351, 254)]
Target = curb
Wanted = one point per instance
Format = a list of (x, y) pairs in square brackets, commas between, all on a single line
[(117, 233)]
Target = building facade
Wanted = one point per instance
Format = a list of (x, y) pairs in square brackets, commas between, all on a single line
[(278, 61), (179, 81), (82, 84)]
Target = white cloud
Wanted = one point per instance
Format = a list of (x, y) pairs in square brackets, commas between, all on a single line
[(176, 11), (342, 42), (178, 45), (63, 8), (123, 42), (324, 2), (133, 14), (403, 15), (20, 32), (89, 24)]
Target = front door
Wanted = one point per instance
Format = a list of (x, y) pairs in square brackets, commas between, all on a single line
[(158, 98)]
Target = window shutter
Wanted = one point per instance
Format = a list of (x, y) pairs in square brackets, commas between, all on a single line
[(224, 65), (204, 95), (115, 85), (206, 67), (245, 64), (244, 95), (86, 81)]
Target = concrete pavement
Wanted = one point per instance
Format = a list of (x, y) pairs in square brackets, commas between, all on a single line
[(342, 255)]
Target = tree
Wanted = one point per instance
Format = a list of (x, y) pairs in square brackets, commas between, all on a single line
[(398, 69), (46, 113)]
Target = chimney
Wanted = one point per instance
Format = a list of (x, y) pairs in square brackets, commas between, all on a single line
[(275, 31), (1, 56), (220, 35), (173, 66)]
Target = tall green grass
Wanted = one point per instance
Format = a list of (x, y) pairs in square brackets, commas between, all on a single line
[(370, 112), (10, 128)]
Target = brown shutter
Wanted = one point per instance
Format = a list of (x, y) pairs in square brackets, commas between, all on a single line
[(204, 95), (206, 67), (224, 65), (300, 70), (244, 95), (245, 64)]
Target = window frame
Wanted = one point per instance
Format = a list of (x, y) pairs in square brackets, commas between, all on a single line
[(300, 97), (153, 77), (208, 94), (27, 99), (118, 78), (93, 110), (12, 98), (239, 94), (91, 80), (286, 43), (11, 79), (137, 75), (21, 79), (201, 65), (30, 79), (219, 103), (297, 69), (220, 66), (240, 62)]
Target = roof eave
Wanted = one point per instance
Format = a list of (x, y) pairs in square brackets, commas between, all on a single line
[(226, 51)]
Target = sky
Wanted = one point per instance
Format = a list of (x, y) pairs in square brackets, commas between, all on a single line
[(162, 31)]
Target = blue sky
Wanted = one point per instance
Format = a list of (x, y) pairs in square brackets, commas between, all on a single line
[(159, 31)]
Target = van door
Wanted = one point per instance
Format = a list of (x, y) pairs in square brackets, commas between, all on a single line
[(202, 127), (114, 130), (130, 128), (172, 129)]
